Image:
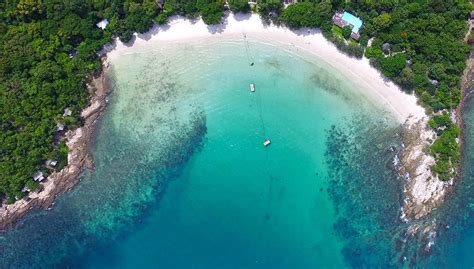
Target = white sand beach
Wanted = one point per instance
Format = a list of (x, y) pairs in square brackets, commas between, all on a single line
[(404, 106)]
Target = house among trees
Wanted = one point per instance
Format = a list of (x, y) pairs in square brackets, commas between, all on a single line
[(67, 112), (59, 127), (434, 82), (347, 19), (102, 24), (288, 2), (38, 176), (51, 163), (160, 3)]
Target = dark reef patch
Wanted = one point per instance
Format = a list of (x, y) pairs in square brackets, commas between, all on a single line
[(365, 190)]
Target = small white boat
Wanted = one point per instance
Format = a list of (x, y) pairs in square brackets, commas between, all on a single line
[(252, 87), (266, 142)]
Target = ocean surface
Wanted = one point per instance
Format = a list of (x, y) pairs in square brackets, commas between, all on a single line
[(182, 179)]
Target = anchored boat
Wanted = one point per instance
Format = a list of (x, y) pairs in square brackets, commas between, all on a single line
[(267, 142), (252, 87)]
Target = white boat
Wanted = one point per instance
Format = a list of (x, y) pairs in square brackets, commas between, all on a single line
[(252, 87), (266, 142)]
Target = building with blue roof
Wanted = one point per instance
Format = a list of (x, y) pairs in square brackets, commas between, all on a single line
[(347, 19)]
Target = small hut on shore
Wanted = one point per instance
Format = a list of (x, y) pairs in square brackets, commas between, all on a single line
[(67, 112), (434, 82), (51, 163), (38, 176)]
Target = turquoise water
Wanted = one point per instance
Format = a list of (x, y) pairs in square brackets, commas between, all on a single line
[(182, 179)]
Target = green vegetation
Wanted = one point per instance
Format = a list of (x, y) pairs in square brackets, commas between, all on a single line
[(239, 6), (212, 12), (337, 31), (270, 10), (393, 65), (346, 32), (302, 14), (445, 149), (49, 51), (427, 55)]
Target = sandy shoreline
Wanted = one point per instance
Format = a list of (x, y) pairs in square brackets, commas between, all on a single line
[(403, 106)]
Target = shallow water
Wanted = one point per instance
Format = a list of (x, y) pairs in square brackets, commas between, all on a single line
[(182, 179)]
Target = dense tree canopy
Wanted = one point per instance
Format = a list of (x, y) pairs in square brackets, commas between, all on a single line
[(239, 6), (270, 10), (212, 12), (303, 14)]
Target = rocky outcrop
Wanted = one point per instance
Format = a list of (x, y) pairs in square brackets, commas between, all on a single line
[(423, 191)]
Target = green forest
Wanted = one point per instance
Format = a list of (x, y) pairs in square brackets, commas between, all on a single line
[(49, 53)]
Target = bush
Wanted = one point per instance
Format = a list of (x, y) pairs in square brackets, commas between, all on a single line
[(346, 32), (212, 13), (393, 65), (270, 10), (241, 6), (302, 14)]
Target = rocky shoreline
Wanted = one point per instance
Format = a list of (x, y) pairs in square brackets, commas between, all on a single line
[(423, 191), (78, 142)]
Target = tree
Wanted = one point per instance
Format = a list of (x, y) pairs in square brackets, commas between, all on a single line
[(407, 78), (270, 10), (392, 66), (374, 53), (302, 14), (239, 6), (437, 71), (212, 13), (325, 10), (381, 22), (29, 9), (346, 32)]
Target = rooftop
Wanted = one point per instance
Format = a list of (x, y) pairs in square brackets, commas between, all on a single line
[(38, 176), (352, 20), (102, 24)]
